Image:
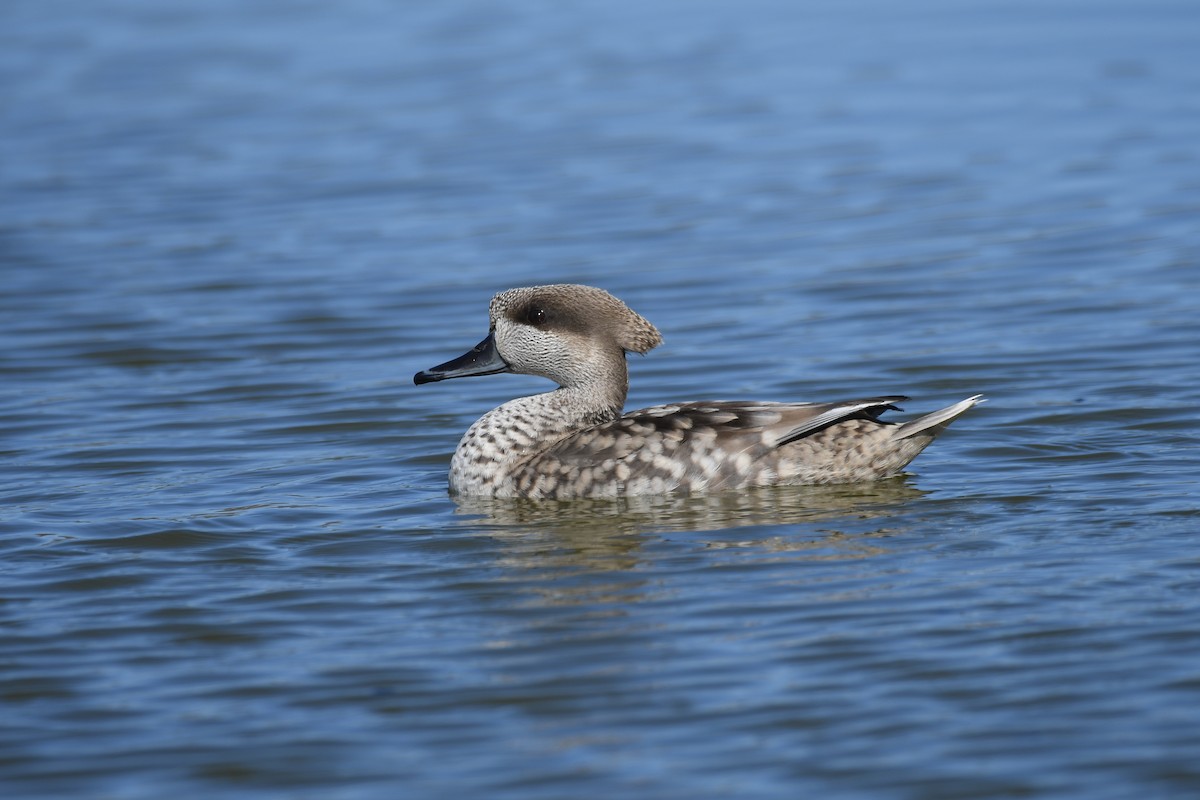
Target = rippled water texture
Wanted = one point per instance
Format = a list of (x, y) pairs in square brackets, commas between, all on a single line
[(231, 232)]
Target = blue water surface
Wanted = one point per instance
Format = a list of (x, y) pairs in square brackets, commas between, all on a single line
[(231, 232)]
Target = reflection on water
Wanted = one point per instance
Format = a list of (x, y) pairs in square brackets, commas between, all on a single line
[(605, 555), (607, 534), (764, 506)]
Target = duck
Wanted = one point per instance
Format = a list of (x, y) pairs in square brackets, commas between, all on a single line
[(576, 441)]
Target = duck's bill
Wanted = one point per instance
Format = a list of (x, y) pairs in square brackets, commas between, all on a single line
[(482, 359)]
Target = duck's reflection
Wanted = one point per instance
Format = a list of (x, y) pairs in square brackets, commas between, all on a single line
[(609, 534), (765, 506), (607, 564)]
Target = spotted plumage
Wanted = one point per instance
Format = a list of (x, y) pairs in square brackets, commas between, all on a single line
[(574, 441)]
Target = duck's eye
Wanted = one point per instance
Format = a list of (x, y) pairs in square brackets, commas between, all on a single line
[(535, 316)]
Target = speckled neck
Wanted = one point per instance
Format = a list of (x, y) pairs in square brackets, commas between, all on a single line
[(509, 436)]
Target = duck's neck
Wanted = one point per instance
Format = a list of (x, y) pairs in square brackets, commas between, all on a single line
[(507, 437)]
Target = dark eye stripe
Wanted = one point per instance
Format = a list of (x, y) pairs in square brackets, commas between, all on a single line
[(535, 316)]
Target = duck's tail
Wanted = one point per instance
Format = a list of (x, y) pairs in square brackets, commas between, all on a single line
[(934, 423)]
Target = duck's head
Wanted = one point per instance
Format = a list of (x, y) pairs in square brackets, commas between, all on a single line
[(569, 333)]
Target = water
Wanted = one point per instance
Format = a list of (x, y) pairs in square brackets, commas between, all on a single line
[(230, 234)]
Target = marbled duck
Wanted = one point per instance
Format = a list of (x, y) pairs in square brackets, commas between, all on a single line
[(575, 442)]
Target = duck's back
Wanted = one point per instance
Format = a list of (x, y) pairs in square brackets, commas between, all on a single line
[(721, 445)]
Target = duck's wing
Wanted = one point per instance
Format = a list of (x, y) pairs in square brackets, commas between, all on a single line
[(726, 444), (691, 439), (800, 420), (730, 426)]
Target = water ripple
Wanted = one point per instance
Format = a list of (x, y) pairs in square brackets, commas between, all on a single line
[(233, 234)]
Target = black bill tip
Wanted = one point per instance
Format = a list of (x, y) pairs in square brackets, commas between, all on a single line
[(482, 359)]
